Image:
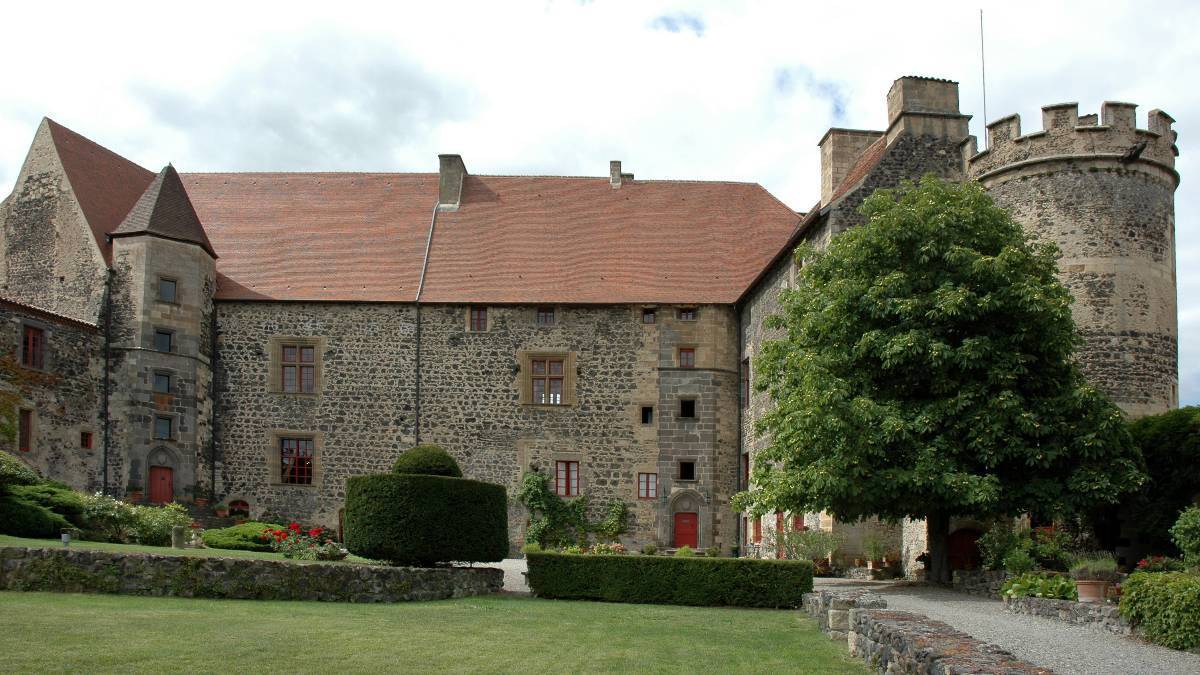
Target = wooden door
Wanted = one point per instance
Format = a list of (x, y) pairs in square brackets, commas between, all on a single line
[(963, 548), (162, 488), (687, 530)]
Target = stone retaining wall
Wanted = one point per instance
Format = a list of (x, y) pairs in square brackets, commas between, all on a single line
[(980, 582), (1080, 613), (902, 642), (78, 571)]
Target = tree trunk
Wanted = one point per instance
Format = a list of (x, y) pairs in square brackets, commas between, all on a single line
[(937, 534)]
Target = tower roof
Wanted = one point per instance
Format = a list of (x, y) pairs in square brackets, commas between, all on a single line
[(164, 210)]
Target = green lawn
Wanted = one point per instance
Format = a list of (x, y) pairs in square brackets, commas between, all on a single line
[(6, 540), (100, 633)]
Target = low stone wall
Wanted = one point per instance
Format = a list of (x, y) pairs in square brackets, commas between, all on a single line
[(1079, 613), (79, 571), (901, 642), (979, 582)]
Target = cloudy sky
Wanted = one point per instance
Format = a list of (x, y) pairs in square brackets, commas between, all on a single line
[(703, 90)]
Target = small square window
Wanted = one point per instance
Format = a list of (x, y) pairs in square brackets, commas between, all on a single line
[(687, 471), (162, 383), (687, 314), (647, 414), (163, 340), (166, 290), (687, 357), (649, 314), (545, 316), (478, 319), (163, 426), (687, 408), (85, 440), (647, 485)]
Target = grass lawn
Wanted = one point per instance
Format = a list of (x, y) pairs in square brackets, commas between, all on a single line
[(100, 633), (6, 540)]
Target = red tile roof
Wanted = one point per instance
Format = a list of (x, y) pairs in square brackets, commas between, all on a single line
[(106, 184), (867, 161)]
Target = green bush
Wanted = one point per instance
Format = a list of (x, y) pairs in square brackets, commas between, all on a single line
[(54, 496), (244, 537), (649, 549), (1165, 605), (22, 518), (427, 460), (152, 524), (1186, 535), (998, 542), (1018, 562), (671, 580), (108, 519), (685, 552), (422, 520), (1170, 445), (15, 472), (1040, 585)]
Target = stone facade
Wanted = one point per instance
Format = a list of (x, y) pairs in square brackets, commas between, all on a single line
[(79, 571)]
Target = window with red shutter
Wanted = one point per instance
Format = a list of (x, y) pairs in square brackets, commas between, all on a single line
[(33, 348), (25, 430), (566, 479), (478, 322), (296, 461), (85, 440), (647, 486), (758, 530), (687, 357)]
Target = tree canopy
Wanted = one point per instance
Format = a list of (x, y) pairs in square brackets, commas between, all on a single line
[(928, 369)]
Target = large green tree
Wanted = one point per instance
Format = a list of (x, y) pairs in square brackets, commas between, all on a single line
[(927, 372)]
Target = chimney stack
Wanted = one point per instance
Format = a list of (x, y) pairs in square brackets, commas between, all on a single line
[(840, 149), (450, 181), (614, 174), (925, 106)]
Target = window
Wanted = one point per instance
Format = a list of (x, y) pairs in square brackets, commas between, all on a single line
[(566, 479), (163, 426), (758, 530), (745, 471), (547, 381), (649, 314), (85, 440), (687, 408), (545, 316), (33, 349), (647, 414), (687, 471), (687, 357), (162, 383), (163, 340), (478, 321), (296, 461), (297, 367), (166, 290), (798, 523), (745, 382), (25, 430), (687, 314), (647, 486)]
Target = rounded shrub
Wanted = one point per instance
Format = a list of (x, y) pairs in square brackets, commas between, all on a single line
[(1186, 534), (15, 472), (22, 518), (54, 496), (417, 520), (427, 460), (244, 537)]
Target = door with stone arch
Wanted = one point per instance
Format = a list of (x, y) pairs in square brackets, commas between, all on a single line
[(687, 529), (162, 485)]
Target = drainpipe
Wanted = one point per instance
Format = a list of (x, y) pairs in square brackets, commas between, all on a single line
[(107, 372), (417, 301), (737, 522), (214, 390)]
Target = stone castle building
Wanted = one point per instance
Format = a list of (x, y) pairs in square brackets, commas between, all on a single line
[(260, 337)]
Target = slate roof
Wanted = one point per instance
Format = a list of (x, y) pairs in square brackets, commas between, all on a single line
[(164, 210)]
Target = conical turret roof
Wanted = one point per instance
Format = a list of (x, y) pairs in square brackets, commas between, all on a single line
[(164, 210)]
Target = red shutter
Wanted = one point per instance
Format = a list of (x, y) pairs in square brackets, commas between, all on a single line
[(758, 530), (25, 431)]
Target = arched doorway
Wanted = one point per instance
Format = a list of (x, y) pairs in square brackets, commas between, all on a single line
[(687, 526), (162, 485), (963, 549)]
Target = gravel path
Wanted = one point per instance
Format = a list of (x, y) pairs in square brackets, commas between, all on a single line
[(1059, 646), (514, 575)]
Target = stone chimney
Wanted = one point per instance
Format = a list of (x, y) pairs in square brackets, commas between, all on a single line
[(925, 106), (840, 149), (615, 177), (450, 181)]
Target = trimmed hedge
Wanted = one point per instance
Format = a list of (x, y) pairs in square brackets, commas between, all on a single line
[(670, 580), (244, 537), (54, 496), (419, 520), (427, 460), (22, 518), (1165, 605)]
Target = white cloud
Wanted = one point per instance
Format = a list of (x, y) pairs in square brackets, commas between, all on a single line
[(674, 89)]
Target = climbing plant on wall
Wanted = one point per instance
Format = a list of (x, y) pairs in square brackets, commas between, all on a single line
[(554, 521)]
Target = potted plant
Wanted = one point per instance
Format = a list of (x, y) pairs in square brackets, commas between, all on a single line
[(197, 496), (1093, 574), (874, 550), (222, 510), (133, 493)]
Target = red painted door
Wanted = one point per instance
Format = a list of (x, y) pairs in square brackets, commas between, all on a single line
[(162, 489), (687, 529)]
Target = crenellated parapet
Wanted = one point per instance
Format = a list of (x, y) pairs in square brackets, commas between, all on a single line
[(1066, 135)]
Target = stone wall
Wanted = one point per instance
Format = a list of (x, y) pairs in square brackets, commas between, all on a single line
[(1100, 615), (979, 582), (78, 571), (64, 397)]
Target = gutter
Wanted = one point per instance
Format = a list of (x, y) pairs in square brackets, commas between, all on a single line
[(107, 373), (417, 302), (214, 393)]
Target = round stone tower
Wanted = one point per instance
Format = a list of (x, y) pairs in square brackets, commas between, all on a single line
[(1104, 193)]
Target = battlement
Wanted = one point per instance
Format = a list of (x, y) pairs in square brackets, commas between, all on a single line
[(1065, 134)]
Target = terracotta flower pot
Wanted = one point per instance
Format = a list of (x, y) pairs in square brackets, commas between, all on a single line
[(222, 513), (134, 496), (200, 501), (1091, 591)]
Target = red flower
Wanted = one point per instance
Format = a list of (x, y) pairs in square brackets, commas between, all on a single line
[(315, 532), (294, 527)]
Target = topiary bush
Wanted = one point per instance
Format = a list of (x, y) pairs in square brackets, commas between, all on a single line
[(245, 537), (15, 472), (670, 580), (427, 460), (1166, 606), (1186, 535), (418, 520), (54, 496)]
